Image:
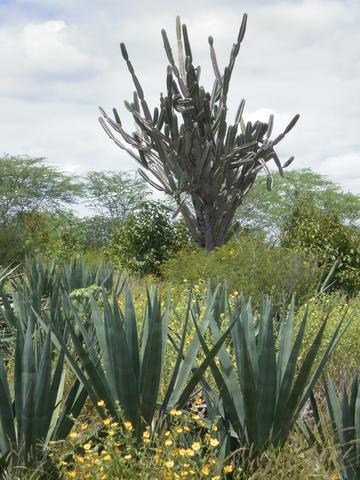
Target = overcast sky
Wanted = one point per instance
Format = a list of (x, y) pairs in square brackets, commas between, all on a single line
[(60, 59)]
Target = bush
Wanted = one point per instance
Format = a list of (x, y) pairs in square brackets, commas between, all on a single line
[(12, 247), (314, 231), (347, 352), (145, 240), (249, 264)]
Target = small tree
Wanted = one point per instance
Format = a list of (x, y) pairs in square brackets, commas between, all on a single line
[(186, 147), (115, 194), (270, 210), (28, 185), (145, 239)]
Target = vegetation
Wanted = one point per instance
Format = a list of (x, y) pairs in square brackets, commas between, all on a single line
[(146, 239), (310, 229), (187, 147), (269, 210), (250, 264), (129, 350)]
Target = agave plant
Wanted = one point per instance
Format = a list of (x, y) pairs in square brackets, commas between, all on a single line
[(33, 406), (344, 412), (265, 389), (122, 366), (188, 149)]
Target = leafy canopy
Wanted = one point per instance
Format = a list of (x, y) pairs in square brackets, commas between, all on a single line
[(28, 184)]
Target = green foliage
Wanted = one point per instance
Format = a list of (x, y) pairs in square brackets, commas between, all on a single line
[(145, 240), (270, 209), (344, 413), (115, 194), (126, 385), (312, 230), (33, 407), (188, 149), (347, 352), (248, 264), (27, 184), (53, 235), (263, 393)]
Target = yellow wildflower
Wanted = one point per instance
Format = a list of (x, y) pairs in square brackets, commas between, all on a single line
[(214, 442), (205, 470), (169, 464), (228, 468), (196, 446), (107, 458), (168, 442), (127, 457), (73, 435), (146, 435), (107, 421), (128, 426), (190, 452), (101, 403)]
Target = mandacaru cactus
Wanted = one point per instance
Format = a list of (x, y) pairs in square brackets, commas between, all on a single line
[(187, 149)]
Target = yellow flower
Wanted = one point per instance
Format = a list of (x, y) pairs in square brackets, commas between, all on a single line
[(96, 461), (182, 452), (214, 442), (201, 423), (169, 464), (195, 417), (73, 435), (79, 459), (71, 474), (167, 433), (101, 403), (146, 441), (114, 424), (205, 470), (228, 468), (111, 433), (186, 428), (107, 421), (214, 428), (179, 430), (190, 452), (128, 426), (335, 476), (107, 458), (103, 477), (216, 477), (146, 435), (127, 457), (175, 413), (84, 426), (168, 442), (196, 446)]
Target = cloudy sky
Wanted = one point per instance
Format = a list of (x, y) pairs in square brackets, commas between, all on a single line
[(60, 59)]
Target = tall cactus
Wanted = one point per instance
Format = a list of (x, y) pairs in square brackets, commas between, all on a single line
[(187, 149)]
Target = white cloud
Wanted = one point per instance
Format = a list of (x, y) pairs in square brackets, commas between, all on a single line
[(62, 59)]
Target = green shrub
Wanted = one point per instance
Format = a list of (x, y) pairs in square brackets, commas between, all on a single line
[(312, 230), (12, 248), (347, 352), (145, 240), (248, 264)]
